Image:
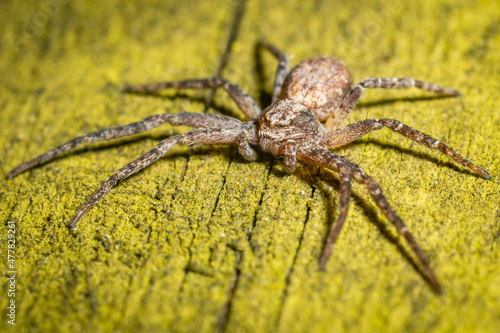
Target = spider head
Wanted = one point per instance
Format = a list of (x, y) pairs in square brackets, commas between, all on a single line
[(286, 120)]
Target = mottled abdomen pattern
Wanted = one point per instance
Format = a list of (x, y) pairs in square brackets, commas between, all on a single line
[(319, 84)]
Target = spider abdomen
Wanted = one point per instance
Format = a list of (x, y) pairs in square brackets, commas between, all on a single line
[(319, 84)]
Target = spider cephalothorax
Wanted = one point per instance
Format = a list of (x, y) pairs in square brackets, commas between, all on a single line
[(286, 121), (316, 90)]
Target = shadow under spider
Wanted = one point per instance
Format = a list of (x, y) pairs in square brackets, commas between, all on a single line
[(408, 151), (388, 101), (265, 98)]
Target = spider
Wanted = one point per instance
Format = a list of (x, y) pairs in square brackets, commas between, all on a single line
[(303, 123)]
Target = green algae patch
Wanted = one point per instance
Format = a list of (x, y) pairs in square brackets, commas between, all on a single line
[(203, 240)]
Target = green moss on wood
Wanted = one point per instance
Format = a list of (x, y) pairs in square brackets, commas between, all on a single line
[(159, 252)]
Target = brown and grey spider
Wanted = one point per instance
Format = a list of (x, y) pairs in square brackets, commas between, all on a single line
[(316, 90)]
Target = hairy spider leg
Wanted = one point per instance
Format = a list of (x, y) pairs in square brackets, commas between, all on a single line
[(282, 69), (351, 100), (185, 118), (354, 131), (324, 157), (246, 104), (345, 195), (199, 135), (290, 156)]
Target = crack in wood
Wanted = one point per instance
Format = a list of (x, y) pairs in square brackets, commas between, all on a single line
[(288, 278), (233, 284)]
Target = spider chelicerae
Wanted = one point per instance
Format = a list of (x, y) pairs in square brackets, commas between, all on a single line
[(317, 90)]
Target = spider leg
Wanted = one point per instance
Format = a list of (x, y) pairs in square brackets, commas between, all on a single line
[(246, 104), (186, 118), (397, 83), (335, 162), (352, 99), (354, 131), (290, 156), (199, 135), (345, 194), (282, 69)]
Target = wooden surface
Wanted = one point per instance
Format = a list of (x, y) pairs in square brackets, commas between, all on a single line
[(203, 240)]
